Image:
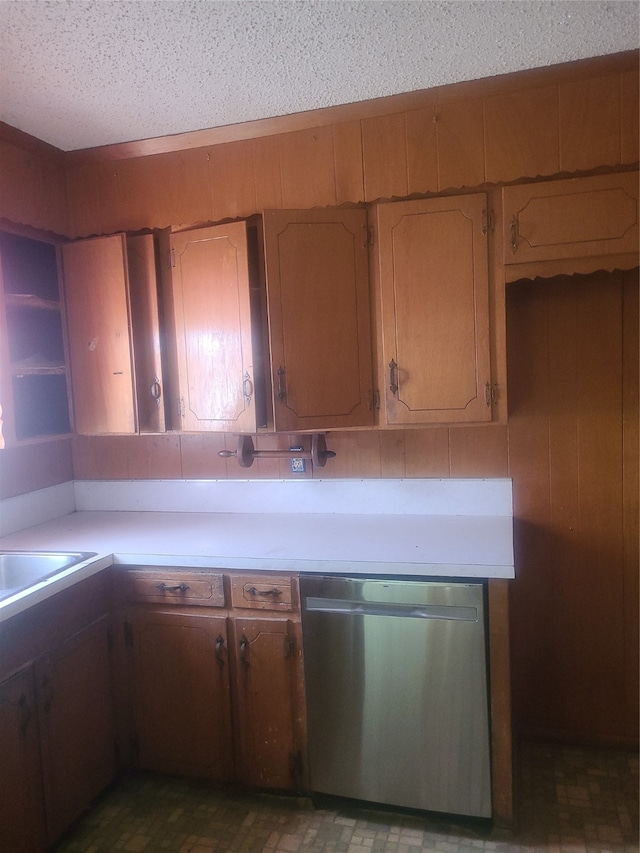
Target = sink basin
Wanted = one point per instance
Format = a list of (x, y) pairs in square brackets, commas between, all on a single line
[(22, 569)]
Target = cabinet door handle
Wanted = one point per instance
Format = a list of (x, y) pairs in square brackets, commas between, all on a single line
[(514, 234), (393, 376), (181, 587), (274, 592), (282, 386), (244, 652), (220, 649), (247, 388), (156, 390)]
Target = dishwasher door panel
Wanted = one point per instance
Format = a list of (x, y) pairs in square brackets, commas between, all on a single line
[(396, 692)]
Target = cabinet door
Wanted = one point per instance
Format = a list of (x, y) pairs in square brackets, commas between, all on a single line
[(75, 713), (434, 295), (96, 291), (143, 283), (577, 218), (319, 318), (270, 718), (181, 694), (22, 827), (212, 311)]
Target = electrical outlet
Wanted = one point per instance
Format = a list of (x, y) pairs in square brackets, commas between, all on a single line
[(298, 466)]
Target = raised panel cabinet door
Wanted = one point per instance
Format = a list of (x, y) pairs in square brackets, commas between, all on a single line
[(576, 218), (434, 296), (145, 326), (181, 693), (22, 827), (316, 266), (269, 687), (75, 712), (96, 294), (212, 310)]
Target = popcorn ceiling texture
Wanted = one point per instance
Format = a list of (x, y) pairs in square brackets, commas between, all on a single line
[(81, 73)]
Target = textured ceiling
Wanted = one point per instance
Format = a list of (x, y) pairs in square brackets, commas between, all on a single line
[(81, 73)]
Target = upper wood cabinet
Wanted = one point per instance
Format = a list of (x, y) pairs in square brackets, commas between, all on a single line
[(112, 316), (433, 299), (33, 380), (317, 280), (272, 325), (214, 341), (575, 218)]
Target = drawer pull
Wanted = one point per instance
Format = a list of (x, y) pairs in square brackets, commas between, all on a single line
[(274, 592), (181, 587)]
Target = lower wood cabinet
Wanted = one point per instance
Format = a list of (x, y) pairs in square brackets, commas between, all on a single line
[(75, 717), (180, 690), (216, 693), (22, 825), (269, 704), (57, 738)]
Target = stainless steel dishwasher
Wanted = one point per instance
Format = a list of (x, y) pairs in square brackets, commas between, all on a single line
[(396, 684)]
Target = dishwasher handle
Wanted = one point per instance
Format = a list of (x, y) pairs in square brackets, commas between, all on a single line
[(345, 607)]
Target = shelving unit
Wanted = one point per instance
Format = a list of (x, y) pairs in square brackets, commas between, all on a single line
[(34, 337)]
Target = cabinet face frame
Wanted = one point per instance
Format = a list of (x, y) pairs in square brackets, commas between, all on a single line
[(317, 282), (96, 287), (415, 248)]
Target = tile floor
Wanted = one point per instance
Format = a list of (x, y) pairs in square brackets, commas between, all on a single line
[(571, 800)]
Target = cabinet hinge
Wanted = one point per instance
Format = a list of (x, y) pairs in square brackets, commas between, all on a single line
[(488, 220), (295, 768), (368, 236), (135, 748), (181, 407), (490, 393), (128, 635), (289, 647), (172, 257)]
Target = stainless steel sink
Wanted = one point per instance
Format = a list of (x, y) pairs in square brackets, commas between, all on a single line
[(22, 569)]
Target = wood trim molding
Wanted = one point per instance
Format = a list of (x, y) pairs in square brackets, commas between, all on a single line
[(531, 78), (29, 143)]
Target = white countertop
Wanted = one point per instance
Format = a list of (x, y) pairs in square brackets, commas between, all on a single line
[(439, 546), (425, 545)]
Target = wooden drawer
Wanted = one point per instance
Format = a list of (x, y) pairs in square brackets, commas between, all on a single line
[(262, 592), (177, 587)]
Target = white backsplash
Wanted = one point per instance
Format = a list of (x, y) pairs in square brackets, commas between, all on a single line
[(469, 497), (36, 507)]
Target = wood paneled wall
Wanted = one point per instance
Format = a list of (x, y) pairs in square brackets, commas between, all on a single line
[(573, 456), (28, 467), (578, 117)]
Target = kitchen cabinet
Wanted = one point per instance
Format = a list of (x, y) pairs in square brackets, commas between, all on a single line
[(317, 277), (33, 369), (268, 668), (433, 301), (75, 717), (270, 711), (114, 347), (272, 323), (180, 687), (215, 692), (579, 218), (57, 731), (216, 343), (22, 821)]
